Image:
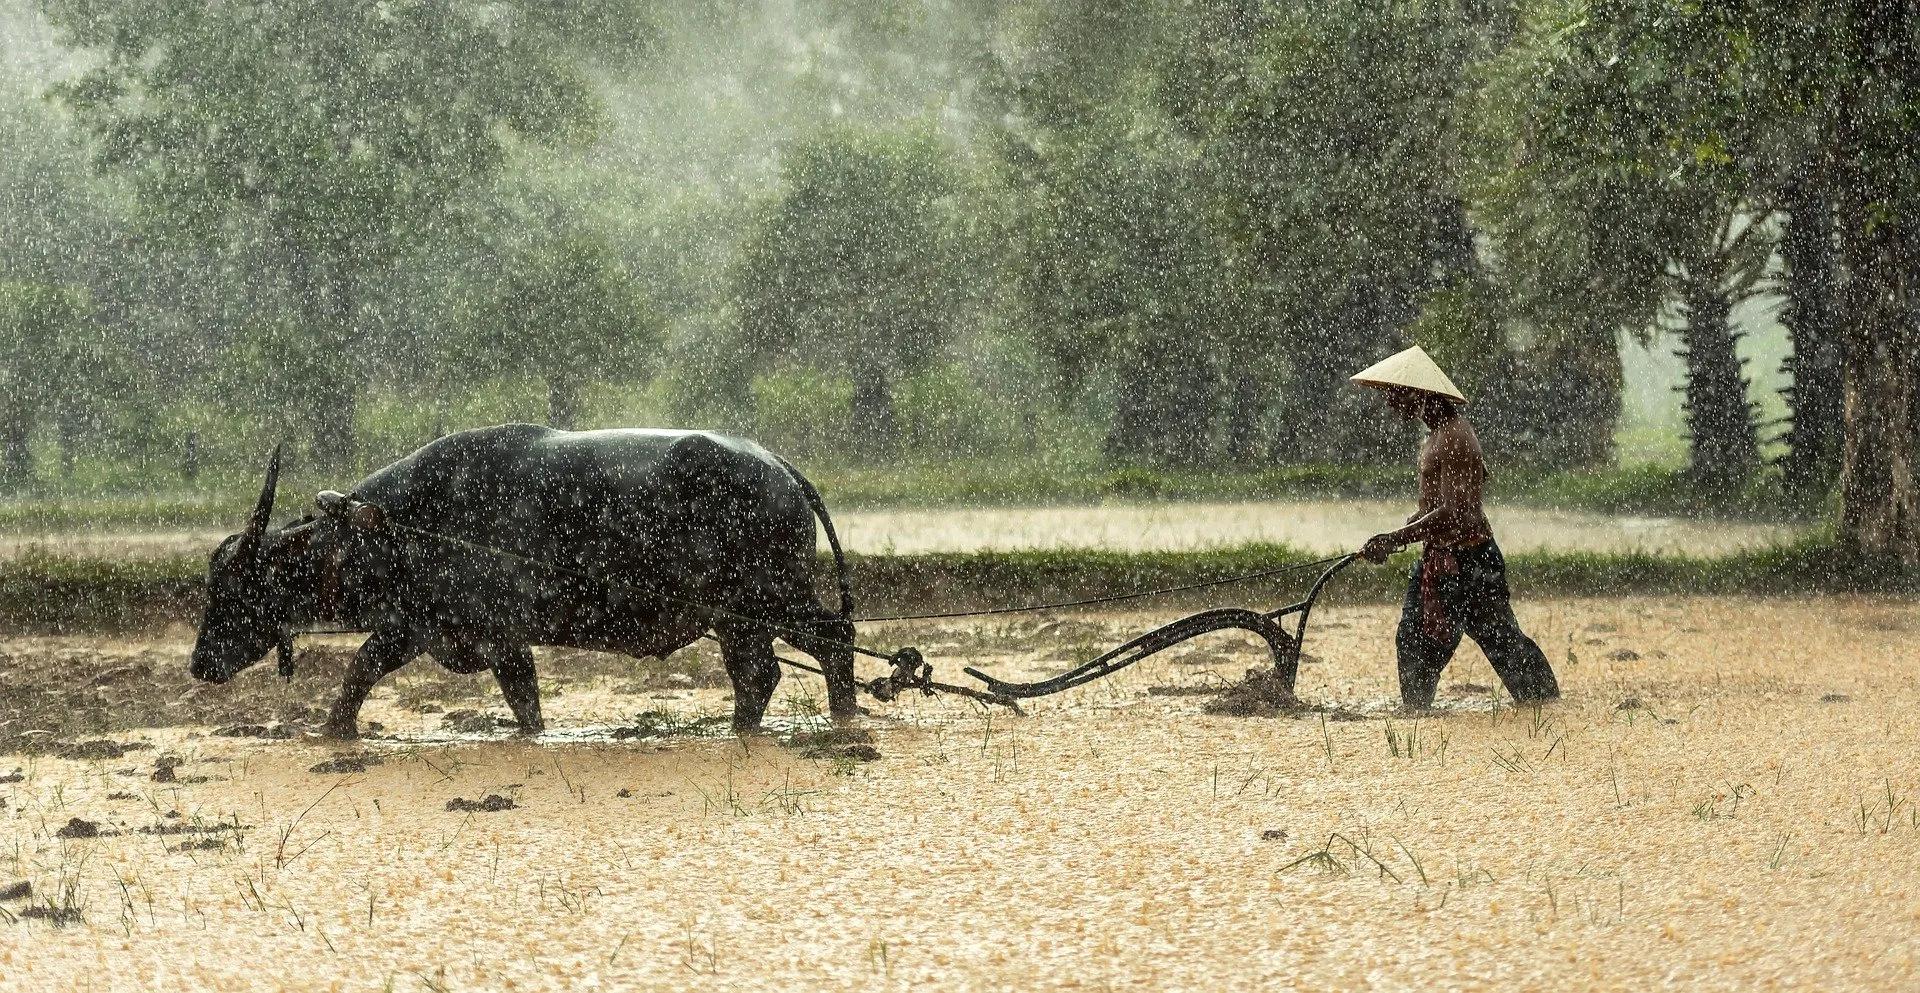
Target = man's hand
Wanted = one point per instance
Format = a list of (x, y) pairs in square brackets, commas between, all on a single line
[(1379, 547)]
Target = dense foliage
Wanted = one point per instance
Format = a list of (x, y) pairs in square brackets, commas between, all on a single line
[(1161, 231)]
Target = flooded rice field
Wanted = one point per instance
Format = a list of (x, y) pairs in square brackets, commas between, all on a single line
[(1321, 526), (1724, 800)]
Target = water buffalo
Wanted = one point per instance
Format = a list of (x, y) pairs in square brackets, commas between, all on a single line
[(671, 519)]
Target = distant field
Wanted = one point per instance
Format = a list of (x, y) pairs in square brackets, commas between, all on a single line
[(1129, 526)]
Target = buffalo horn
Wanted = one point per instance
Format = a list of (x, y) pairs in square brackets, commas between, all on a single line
[(263, 510)]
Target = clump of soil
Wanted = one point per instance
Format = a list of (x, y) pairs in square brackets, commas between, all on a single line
[(16, 776), (163, 768), (493, 802), (98, 748), (1186, 690), (16, 891), (347, 763), (852, 753), (57, 916), (1835, 698), (277, 732), (199, 845), (78, 828), (849, 744), (666, 723), (830, 737), (168, 830), (1261, 694), (474, 722)]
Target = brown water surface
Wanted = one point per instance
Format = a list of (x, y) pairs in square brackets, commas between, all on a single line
[(1724, 801)]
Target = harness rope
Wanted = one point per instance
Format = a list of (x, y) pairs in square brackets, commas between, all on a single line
[(910, 669), (1137, 595)]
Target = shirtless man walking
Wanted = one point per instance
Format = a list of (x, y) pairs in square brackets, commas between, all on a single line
[(1460, 583)]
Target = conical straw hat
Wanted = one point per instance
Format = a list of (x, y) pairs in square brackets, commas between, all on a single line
[(1412, 369)]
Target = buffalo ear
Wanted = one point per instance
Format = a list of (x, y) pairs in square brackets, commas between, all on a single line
[(263, 510)]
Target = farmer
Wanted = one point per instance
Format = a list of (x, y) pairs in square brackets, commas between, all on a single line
[(1460, 583)]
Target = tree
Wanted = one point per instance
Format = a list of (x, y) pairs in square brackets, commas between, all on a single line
[(1767, 90), (1873, 75), (333, 133), (58, 365), (1127, 289), (1810, 279), (1330, 129), (1605, 209), (857, 264), (1115, 255), (567, 311)]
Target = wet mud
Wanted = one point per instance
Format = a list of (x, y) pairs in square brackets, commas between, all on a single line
[(1718, 803)]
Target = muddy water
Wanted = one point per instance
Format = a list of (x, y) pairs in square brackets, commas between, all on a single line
[(1723, 801), (1325, 526)]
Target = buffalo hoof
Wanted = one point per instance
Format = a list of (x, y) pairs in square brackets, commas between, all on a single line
[(341, 730), (530, 730)]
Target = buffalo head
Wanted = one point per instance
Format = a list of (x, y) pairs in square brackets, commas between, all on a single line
[(246, 609)]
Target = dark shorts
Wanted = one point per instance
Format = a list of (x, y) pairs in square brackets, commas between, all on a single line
[(1471, 599)]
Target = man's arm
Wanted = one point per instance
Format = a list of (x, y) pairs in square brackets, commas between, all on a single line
[(1458, 467)]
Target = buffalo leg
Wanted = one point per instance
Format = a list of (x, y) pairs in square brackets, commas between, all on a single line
[(835, 661), (382, 653), (513, 668), (751, 665)]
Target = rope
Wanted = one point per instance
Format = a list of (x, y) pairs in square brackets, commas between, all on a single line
[(904, 660), (1138, 595)]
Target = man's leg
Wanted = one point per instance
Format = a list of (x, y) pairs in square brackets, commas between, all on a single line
[(1486, 612), (1421, 658)]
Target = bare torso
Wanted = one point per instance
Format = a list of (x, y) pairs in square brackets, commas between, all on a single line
[(1453, 474)]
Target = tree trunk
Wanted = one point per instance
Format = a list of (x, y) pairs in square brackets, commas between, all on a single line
[(1305, 431), (326, 292), (190, 457), (1165, 411), (1130, 430), (1583, 408), (68, 432), (1880, 342), (334, 414), (16, 455), (1725, 447), (1186, 402), (1245, 411), (874, 428), (1811, 464), (563, 403)]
